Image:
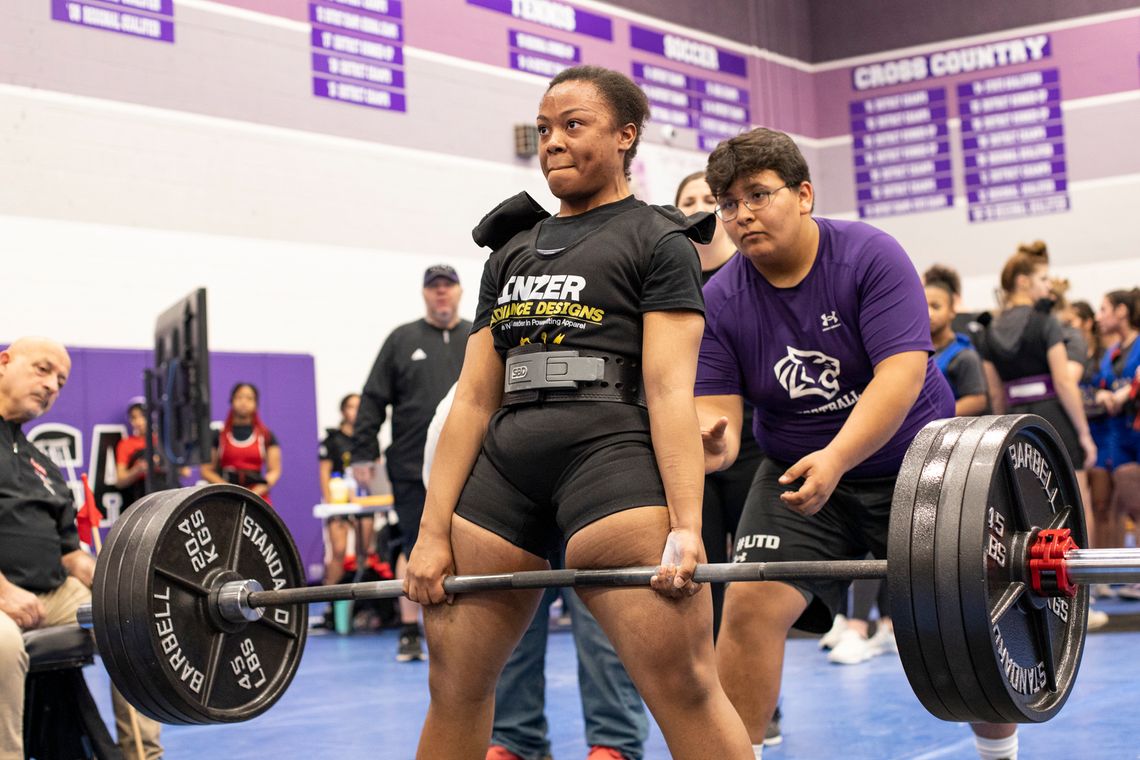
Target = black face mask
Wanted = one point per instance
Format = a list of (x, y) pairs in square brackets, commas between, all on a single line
[(1044, 305)]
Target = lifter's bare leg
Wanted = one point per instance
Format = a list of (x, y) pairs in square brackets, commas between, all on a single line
[(470, 641), (750, 648), (665, 644)]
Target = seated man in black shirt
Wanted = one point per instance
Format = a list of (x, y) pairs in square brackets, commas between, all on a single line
[(44, 575)]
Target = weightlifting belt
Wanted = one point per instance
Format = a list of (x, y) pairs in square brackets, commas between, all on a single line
[(1026, 390), (537, 373)]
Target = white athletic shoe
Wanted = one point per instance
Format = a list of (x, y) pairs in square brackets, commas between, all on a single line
[(883, 641), (1097, 619), (1102, 591), (852, 649), (831, 638), (1130, 592)]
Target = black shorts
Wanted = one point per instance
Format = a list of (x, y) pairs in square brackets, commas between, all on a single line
[(408, 499), (852, 524), (725, 495), (548, 470)]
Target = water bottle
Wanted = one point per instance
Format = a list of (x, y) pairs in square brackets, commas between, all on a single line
[(338, 490), (350, 483)]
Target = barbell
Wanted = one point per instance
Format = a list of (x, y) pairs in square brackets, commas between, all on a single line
[(200, 614)]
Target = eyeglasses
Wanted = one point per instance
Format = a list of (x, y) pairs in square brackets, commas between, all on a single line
[(754, 200)]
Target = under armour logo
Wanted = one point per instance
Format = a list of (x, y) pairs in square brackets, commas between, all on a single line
[(830, 321)]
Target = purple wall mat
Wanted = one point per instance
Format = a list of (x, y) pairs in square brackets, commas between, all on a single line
[(93, 406)]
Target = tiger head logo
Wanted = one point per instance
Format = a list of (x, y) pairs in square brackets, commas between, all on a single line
[(808, 373)]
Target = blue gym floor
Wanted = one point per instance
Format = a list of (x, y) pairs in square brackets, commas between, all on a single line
[(350, 699)]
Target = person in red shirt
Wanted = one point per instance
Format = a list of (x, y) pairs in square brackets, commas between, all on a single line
[(245, 452), (130, 456)]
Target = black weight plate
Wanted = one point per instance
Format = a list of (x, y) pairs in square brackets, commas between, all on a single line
[(111, 603), (106, 591), (152, 682), (148, 668), (924, 582), (953, 527), (1020, 479), (912, 521), (898, 560), (214, 673)]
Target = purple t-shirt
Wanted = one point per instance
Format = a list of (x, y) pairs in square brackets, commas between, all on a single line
[(803, 355)]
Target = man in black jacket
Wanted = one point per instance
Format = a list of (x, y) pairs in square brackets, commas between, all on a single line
[(417, 365), (44, 574)]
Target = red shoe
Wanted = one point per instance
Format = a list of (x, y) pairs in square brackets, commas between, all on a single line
[(598, 752), (499, 752), (382, 569)]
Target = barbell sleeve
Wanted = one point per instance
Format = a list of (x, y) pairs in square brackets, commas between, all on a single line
[(1086, 566)]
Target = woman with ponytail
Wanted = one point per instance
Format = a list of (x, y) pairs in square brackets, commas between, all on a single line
[(245, 452), (1026, 361)]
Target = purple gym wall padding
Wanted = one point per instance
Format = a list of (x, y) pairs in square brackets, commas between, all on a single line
[(103, 380)]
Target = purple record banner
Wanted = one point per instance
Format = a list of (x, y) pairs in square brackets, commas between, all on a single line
[(361, 71), (554, 15), (1013, 146), (361, 47), (658, 75), (537, 64), (708, 143), (541, 56), (527, 43), (353, 42), (719, 91), (674, 116), (725, 111), (717, 110), (388, 8), (359, 94), (357, 23), (902, 153), (92, 15), (666, 96), (157, 7)]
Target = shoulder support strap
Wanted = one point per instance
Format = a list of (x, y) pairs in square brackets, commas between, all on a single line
[(700, 227), (514, 215)]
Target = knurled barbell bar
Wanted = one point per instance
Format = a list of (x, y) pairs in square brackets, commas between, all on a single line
[(200, 614)]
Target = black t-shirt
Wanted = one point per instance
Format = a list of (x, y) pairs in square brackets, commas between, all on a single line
[(601, 272), (37, 514), (415, 368), (1017, 342), (333, 449)]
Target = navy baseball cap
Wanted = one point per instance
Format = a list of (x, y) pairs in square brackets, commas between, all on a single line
[(440, 270)]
